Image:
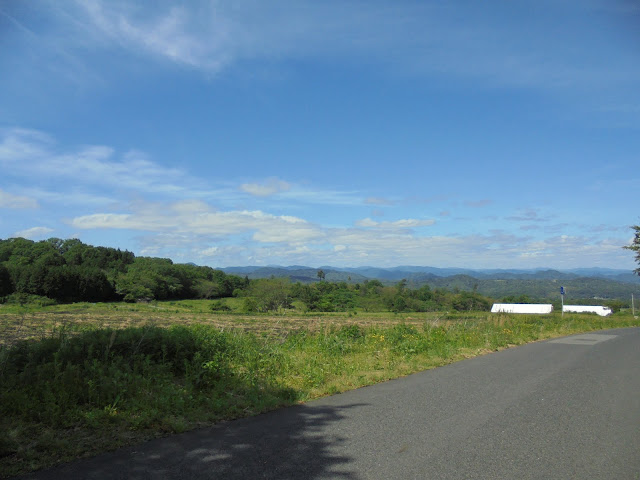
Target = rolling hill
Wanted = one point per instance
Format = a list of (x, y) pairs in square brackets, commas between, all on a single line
[(594, 283)]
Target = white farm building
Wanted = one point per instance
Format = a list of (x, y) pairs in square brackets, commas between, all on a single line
[(599, 309), (522, 308)]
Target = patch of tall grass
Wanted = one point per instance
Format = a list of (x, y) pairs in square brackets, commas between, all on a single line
[(72, 395)]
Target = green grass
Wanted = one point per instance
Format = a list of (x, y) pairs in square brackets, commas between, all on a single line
[(79, 391)]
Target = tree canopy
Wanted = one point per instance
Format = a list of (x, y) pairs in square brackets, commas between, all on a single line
[(635, 246), (71, 271)]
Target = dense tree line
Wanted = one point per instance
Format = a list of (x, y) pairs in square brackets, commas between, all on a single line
[(278, 294), (265, 295), (71, 271)]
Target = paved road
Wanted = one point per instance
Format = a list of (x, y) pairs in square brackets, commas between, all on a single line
[(568, 408)]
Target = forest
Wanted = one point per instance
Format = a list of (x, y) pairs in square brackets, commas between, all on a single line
[(66, 271), (71, 271)]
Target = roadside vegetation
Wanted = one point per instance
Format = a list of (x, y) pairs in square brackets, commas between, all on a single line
[(83, 387)]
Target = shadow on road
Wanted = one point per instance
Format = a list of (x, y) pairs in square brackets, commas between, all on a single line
[(291, 443)]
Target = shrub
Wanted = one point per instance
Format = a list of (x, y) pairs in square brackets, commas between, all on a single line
[(219, 306)]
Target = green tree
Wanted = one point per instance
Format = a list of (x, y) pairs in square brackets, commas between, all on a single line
[(6, 286), (467, 301), (423, 293), (307, 294), (271, 294), (635, 246), (372, 287), (154, 278), (340, 299)]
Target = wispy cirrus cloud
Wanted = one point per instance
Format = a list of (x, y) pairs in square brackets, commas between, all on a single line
[(34, 232), (322, 196), (478, 203), (268, 188), (380, 201), (527, 215), (397, 224), (424, 38), (8, 200), (31, 153), (73, 195), (198, 37), (98, 174)]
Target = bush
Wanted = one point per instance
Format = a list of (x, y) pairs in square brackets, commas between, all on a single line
[(219, 306), (351, 332), (27, 300)]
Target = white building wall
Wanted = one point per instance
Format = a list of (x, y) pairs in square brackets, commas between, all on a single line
[(522, 308), (599, 309)]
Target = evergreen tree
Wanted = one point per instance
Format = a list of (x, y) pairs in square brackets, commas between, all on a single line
[(635, 246)]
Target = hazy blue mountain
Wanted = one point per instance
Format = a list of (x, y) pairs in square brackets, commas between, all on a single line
[(415, 273), (585, 283)]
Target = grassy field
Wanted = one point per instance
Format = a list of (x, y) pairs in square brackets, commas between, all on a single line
[(76, 380), (20, 323)]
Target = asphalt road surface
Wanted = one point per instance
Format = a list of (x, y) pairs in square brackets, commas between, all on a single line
[(567, 408)]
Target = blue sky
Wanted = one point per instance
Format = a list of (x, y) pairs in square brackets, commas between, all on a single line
[(450, 134)]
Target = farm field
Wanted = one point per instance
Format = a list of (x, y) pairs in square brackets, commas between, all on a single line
[(22, 323), (94, 377)]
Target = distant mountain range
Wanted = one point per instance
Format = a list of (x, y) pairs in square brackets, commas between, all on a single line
[(417, 274), (539, 283)]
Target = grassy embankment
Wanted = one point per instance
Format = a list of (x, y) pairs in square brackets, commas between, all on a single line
[(95, 377)]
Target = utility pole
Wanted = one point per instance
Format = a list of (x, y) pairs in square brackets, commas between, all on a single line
[(562, 298)]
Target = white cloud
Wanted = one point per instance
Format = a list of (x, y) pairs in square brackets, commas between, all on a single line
[(8, 200), (169, 31), (192, 226), (35, 232), (566, 251), (309, 195), (107, 220), (223, 251), (195, 218), (22, 144), (478, 203), (30, 153), (192, 229), (366, 222), (527, 215), (410, 223), (92, 169), (377, 201), (69, 196), (270, 187), (190, 207), (398, 224), (210, 252)]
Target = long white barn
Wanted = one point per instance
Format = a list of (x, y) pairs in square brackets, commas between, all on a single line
[(599, 309), (522, 308)]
